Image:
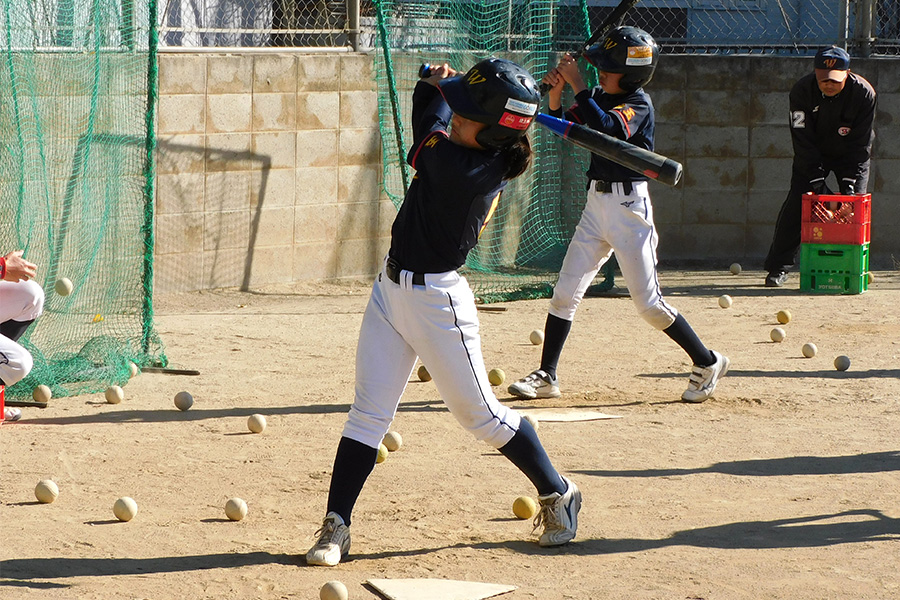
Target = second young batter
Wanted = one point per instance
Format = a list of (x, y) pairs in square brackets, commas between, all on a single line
[(618, 215)]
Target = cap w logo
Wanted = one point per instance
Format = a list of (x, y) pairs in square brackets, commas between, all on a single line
[(830, 62)]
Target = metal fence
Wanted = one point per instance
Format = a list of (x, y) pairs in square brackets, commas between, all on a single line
[(865, 27)]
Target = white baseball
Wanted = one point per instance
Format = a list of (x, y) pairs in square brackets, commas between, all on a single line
[(125, 508), (392, 441), (114, 394), (46, 491), (809, 350), (42, 394), (778, 334), (536, 337), (531, 419), (735, 268), (256, 423), (334, 590), (235, 509), (63, 286), (725, 301), (135, 370)]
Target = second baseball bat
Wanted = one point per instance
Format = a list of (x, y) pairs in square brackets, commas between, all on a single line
[(649, 163)]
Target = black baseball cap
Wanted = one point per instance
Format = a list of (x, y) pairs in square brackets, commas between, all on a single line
[(831, 63)]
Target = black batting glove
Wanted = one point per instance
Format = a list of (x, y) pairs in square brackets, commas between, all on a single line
[(817, 185), (848, 186)]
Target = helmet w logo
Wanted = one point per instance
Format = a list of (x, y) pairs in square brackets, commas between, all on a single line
[(475, 77), (610, 43)]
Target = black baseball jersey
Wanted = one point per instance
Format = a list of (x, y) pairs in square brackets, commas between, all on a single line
[(627, 116), (452, 196), (832, 131)]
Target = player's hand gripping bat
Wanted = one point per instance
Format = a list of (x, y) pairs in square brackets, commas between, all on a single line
[(611, 21), (653, 165)]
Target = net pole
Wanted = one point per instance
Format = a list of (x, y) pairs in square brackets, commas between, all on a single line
[(149, 171), (392, 91)]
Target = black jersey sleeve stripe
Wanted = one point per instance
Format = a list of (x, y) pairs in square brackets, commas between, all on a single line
[(425, 142)]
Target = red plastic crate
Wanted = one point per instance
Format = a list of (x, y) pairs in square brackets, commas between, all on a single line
[(2, 406), (850, 223)]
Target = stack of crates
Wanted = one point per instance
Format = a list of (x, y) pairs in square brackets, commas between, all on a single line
[(834, 243)]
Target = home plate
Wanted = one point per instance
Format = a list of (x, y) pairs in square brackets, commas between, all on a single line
[(551, 416), (437, 589)]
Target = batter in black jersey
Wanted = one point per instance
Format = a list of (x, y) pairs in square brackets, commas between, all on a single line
[(618, 215), (469, 139), (832, 112)]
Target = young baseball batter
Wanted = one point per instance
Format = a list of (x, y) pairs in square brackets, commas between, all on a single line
[(618, 215), (469, 140), (21, 302)]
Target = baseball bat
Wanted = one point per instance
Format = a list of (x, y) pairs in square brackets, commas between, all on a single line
[(611, 21), (653, 165)]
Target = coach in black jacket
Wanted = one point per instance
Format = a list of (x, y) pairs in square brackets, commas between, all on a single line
[(832, 111)]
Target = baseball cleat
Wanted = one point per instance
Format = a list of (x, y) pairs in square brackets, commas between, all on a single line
[(11, 414), (333, 543), (776, 279), (704, 379), (559, 515), (538, 384)]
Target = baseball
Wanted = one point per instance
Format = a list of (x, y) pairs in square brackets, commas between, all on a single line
[(125, 508), (256, 423), (333, 590), (809, 350), (783, 316), (235, 509), (41, 394), (524, 507), (870, 277), (382, 454), (392, 441), (114, 394), (531, 419), (184, 400), (135, 370), (536, 337), (725, 301), (778, 334), (423, 373), (63, 286), (842, 363), (735, 269), (496, 376), (46, 491)]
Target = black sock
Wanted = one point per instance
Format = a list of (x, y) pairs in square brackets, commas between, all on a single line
[(526, 452), (556, 331), (684, 336), (14, 329), (352, 465)]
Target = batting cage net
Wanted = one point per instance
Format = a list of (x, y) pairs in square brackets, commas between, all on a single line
[(76, 182), (521, 250)]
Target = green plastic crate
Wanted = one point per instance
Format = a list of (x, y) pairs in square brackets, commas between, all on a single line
[(834, 268)]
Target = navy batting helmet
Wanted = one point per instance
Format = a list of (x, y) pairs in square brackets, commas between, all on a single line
[(627, 50), (497, 92)]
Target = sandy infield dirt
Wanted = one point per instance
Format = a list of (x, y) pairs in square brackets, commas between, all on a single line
[(785, 485)]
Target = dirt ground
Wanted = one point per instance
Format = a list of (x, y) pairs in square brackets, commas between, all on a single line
[(785, 485)]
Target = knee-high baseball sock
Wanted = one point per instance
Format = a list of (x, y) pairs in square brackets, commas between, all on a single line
[(556, 331), (14, 329), (684, 336), (352, 465), (526, 452)]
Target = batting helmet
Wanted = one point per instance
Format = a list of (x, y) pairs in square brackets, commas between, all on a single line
[(627, 50), (497, 92)]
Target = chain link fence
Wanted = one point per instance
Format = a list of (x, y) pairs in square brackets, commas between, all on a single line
[(865, 27)]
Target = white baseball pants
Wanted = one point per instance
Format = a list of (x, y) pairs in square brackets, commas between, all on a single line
[(19, 301), (439, 323), (620, 223)]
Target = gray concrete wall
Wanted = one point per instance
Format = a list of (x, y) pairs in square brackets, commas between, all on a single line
[(270, 165)]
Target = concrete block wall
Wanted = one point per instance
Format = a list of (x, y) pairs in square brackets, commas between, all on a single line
[(269, 170), (270, 164)]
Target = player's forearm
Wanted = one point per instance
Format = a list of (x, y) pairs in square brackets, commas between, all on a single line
[(595, 117)]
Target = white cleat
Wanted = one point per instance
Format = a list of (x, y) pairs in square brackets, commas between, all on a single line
[(559, 516), (333, 543), (538, 384), (704, 379)]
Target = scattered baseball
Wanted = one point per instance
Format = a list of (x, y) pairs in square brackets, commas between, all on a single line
[(256, 423), (842, 363), (778, 334), (235, 509), (184, 400), (41, 394), (809, 350), (536, 337), (334, 590), (870, 277), (735, 269), (783, 316), (382, 454), (524, 507), (423, 373), (46, 491), (114, 394), (135, 370), (725, 301), (63, 286), (125, 508), (496, 376), (533, 420), (392, 441)]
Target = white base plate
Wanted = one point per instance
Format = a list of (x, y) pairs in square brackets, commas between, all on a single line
[(549, 415), (437, 589)]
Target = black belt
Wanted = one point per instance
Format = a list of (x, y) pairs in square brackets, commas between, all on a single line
[(606, 187), (392, 269)]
